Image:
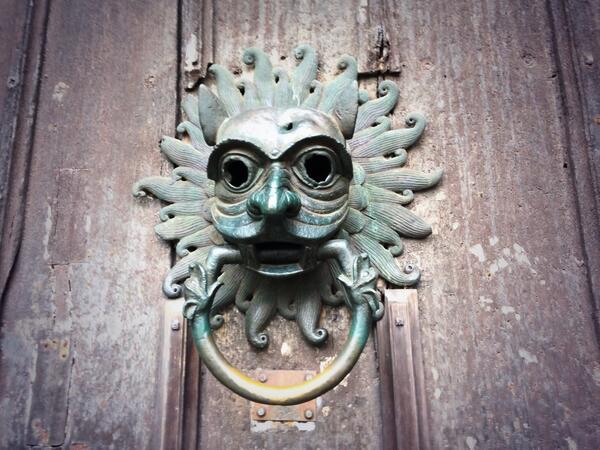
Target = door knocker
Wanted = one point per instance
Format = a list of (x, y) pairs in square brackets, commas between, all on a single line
[(287, 194)]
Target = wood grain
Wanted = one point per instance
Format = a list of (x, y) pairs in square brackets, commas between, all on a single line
[(399, 354), (14, 43), (333, 28), (509, 295), (22, 42), (510, 354), (89, 268), (576, 30)]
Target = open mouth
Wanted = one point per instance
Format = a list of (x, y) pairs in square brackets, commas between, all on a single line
[(278, 259), (277, 253)]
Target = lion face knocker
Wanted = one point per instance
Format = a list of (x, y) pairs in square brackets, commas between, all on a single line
[(288, 194), (282, 178)]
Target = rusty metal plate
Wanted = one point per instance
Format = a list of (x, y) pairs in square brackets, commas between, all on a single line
[(304, 412)]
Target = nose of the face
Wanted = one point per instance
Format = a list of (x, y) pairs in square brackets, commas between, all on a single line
[(275, 199)]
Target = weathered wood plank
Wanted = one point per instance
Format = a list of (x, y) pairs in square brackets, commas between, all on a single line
[(22, 40), (107, 95), (15, 31), (172, 379), (405, 424), (197, 31), (576, 43), (277, 27), (349, 416), (506, 299), (509, 345)]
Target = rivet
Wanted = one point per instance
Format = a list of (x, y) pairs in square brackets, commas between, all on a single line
[(308, 414), (399, 322), (261, 412), (262, 378), (175, 325), (409, 268)]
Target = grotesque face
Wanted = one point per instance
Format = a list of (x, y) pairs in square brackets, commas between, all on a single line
[(282, 178)]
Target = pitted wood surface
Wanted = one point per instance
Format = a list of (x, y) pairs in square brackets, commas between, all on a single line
[(81, 323), (511, 357), (507, 298)]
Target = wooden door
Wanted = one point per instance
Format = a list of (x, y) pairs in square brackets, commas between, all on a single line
[(508, 302)]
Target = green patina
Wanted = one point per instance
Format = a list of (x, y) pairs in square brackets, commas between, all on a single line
[(288, 194)]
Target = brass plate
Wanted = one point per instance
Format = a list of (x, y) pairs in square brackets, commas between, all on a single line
[(304, 412)]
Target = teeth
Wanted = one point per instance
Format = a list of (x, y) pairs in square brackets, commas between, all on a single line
[(278, 252)]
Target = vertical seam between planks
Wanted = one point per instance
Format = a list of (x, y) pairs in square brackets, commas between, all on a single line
[(178, 87), (37, 80), (568, 130)]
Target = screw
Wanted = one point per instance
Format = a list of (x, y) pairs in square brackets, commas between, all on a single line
[(262, 378), (261, 412), (308, 414), (399, 322), (409, 268), (175, 325)]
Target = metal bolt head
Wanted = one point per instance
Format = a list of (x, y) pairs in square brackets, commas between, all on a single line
[(308, 414), (262, 378), (409, 268), (175, 325), (261, 412)]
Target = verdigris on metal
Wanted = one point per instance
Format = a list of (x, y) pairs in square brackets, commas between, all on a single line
[(287, 194)]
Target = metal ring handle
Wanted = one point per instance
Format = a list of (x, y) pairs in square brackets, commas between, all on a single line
[(283, 395), (359, 279)]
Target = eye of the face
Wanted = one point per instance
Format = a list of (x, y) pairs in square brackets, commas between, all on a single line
[(238, 171), (316, 167)]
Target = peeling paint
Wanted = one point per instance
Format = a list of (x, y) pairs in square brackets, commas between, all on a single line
[(520, 255), (498, 265), (258, 426), (47, 232), (507, 310), (305, 426), (571, 443), (477, 250), (286, 350), (60, 90), (191, 53), (528, 357), (471, 442), (485, 303)]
